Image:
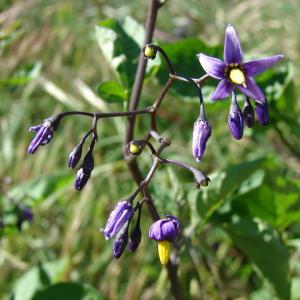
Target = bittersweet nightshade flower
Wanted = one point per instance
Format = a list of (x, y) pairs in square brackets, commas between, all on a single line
[(262, 113), (163, 231), (233, 72), (235, 119), (122, 213), (248, 113), (201, 133)]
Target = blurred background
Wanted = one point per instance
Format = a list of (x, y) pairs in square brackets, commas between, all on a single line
[(241, 234)]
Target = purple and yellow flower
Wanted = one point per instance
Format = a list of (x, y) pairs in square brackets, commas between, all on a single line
[(233, 72), (122, 213), (164, 231)]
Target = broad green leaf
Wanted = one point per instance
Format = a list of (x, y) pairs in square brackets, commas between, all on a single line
[(112, 91), (265, 249), (38, 278), (72, 291)]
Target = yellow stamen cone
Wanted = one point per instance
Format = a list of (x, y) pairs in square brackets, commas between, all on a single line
[(164, 251), (237, 76)]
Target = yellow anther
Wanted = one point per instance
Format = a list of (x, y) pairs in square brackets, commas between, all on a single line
[(164, 251), (237, 76)]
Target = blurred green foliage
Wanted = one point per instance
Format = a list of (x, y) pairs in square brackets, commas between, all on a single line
[(241, 234)]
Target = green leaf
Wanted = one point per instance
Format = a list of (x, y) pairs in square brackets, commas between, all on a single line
[(38, 278), (183, 56), (74, 291), (223, 184), (112, 91), (263, 248)]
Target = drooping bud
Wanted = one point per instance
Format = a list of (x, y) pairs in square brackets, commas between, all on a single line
[(136, 234), (201, 133), (235, 119), (84, 172), (44, 133), (120, 241), (75, 156), (164, 252), (122, 213), (134, 147), (262, 112), (150, 51), (248, 113)]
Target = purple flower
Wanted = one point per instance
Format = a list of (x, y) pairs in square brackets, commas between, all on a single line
[(235, 119), (262, 113), (201, 133), (233, 72), (122, 213), (44, 133), (164, 229)]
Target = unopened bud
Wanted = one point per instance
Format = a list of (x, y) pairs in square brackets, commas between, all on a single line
[(262, 112), (150, 51), (248, 114), (235, 119), (136, 234), (75, 156), (120, 241), (134, 147), (201, 133)]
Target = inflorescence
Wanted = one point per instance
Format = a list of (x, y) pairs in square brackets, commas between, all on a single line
[(233, 74)]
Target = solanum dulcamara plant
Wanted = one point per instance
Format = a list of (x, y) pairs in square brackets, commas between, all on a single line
[(235, 75)]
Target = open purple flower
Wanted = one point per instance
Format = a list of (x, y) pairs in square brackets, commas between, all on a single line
[(164, 229), (233, 72), (122, 213)]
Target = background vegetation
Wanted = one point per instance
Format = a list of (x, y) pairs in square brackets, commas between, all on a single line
[(242, 232)]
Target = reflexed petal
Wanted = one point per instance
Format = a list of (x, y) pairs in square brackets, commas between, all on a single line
[(223, 90), (212, 66), (252, 90), (232, 49), (255, 67)]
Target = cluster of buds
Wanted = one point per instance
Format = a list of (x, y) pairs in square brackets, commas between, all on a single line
[(162, 231)]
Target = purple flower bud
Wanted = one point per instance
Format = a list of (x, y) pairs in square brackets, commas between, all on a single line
[(136, 234), (235, 119), (122, 213), (120, 241), (25, 214), (164, 229), (262, 112), (201, 133), (81, 179), (44, 133), (248, 114), (75, 156)]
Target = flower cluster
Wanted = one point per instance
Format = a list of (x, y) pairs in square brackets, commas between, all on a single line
[(234, 74)]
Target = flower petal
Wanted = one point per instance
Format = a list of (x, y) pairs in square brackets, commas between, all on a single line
[(252, 90), (232, 49), (212, 66), (255, 67), (223, 90)]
